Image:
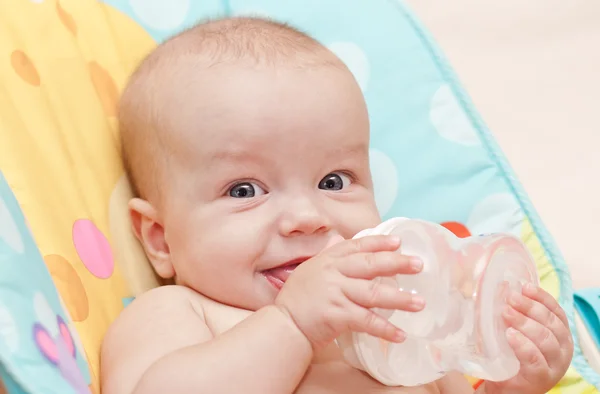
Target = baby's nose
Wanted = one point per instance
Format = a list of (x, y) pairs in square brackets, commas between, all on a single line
[(303, 216)]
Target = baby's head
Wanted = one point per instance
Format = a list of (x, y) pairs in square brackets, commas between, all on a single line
[(247, 144)]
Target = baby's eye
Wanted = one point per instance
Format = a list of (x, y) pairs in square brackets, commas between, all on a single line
[(246, 190), (334, 181)]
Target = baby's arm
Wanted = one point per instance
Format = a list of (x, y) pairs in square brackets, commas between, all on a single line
[(161, 344)]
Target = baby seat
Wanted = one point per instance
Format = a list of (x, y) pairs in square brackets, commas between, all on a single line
[(68, 262)]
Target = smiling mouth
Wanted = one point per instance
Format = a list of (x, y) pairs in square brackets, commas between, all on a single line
[(279, 275)]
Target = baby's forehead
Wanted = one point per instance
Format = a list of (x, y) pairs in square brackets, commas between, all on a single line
[(239, 141), (240, 96), (159, 95), (192, 91)]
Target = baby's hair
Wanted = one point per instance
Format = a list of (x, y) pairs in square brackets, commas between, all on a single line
[(247, 41)]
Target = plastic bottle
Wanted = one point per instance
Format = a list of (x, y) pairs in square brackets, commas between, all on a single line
[(465, 283)]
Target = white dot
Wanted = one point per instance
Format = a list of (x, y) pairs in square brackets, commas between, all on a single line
[(497, 213), (161, 14), (9, 232), (9, 332), (449, 118), (355, 59), (44, 313), (385, 180)]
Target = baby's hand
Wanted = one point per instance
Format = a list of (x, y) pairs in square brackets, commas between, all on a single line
[(540, 336), (332, 292)]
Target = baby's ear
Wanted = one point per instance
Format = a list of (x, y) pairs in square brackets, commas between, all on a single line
[(151, 234)]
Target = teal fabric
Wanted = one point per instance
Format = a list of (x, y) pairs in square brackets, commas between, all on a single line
[(38, 349), (432, 156), (587, 303), (9, 384)]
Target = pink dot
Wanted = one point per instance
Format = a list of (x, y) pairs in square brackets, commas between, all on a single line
[(93, 248)]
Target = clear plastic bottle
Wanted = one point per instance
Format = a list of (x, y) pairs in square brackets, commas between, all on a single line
[(465, 283)]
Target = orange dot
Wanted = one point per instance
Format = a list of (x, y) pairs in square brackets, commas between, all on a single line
[(106, 89), (24, 68), (460, 230), (69, 286), (66, 19)]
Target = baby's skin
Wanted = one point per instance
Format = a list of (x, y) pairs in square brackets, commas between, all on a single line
[(247, 143)]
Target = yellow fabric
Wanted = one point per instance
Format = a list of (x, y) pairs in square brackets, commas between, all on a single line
[(572, 382), (62, 65)]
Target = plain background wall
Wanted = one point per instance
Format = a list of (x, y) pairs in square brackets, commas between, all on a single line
[(533, 70)]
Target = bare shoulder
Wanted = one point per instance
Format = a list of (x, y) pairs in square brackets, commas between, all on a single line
[(454, 383), (155, 324)]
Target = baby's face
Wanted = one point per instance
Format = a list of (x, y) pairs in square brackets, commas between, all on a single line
[(267, 168)]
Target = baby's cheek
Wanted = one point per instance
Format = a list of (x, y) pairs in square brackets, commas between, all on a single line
[(235, 243), (359, 217), (224, 268)]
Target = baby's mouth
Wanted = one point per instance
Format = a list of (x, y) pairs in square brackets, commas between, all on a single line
[(277, 276)]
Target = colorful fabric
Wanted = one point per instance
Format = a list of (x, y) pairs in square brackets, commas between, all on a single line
[(62, 66), (38, 338)]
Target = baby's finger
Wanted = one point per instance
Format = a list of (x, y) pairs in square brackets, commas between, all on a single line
[(373, 265), (532, 361), (543, 297), (542, 314), (541, 336), (367, 244), (367, 321), (377, 294)]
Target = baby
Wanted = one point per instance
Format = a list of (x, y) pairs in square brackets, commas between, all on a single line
[(247, 145)]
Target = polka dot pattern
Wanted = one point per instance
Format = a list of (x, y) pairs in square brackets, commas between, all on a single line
[(355, 59), (458, 229), (496, 213), (410, 104), (69, 286), (93, 248), (9, 332), (450, 120), (44, 313), (385, 180), (24, 68), (66, 18), (73, 329), (161, 14), (106, 89), (9, 233)]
